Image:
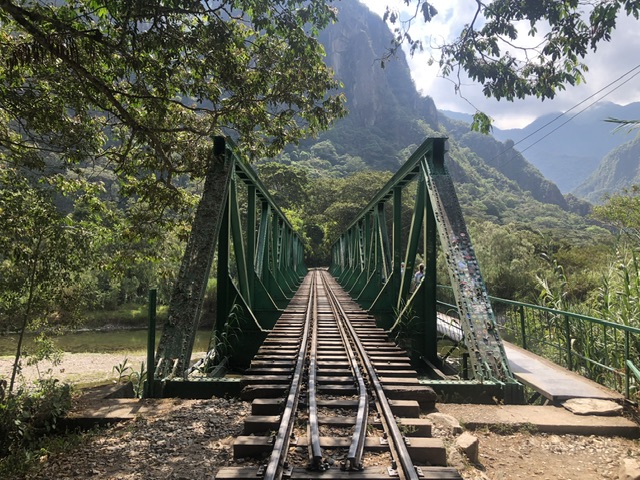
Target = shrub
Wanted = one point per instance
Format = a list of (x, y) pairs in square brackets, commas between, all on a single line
[(29, 413)]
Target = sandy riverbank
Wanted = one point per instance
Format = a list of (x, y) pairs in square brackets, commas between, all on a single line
[(78, 368)]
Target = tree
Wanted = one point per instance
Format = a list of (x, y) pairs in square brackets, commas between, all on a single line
[(42, 253), (142, 86), (146, 84), (493, 49), (622, 211), (288, 185), (508, 259)]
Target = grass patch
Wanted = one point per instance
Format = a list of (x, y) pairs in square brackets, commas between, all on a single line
[(510, 429), (125, 316)]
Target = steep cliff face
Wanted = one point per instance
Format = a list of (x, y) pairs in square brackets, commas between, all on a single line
[(618, 170), (356, 45), (387, 114), (510, 163)]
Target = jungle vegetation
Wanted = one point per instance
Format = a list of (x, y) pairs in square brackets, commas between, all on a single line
[(107, 112), (105, 145)]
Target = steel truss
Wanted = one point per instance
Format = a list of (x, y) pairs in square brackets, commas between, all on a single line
[(260, 264), (366, 260)]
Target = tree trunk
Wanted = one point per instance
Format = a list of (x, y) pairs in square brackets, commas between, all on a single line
[(176, 343), (27, 313)]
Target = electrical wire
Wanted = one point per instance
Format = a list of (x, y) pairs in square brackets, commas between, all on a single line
[(571, 109)]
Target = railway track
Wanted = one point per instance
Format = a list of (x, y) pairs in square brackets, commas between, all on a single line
[(333, 398)]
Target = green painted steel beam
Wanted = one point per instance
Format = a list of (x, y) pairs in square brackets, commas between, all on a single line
[(238, 243), (437, 214), (268, 255), (251, 239), (397, 240)]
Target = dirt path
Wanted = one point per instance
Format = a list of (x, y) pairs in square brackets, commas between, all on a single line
[(192, 439)]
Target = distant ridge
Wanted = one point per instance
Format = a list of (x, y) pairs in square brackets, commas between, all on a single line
[(388, 119), (618, 170), (571, 153)]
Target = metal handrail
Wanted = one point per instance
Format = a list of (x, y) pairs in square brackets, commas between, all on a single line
[(617, 345)]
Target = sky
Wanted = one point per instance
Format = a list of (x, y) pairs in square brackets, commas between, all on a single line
[(611, 61)]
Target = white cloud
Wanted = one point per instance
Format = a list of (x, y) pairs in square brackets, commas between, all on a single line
[(606, 65)]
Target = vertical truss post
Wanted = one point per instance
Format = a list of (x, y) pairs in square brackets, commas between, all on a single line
[(415, 231), (238, 244), (353, 283), (397, 240), (187, 299), (251, 240), (151, 344), (371, 289), (262, 251), (430, 285), (384, 242), (369, 259), (224, 303)]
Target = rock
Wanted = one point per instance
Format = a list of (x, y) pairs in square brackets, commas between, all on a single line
[(468, 444), (592, 406), (629, 469), (443, 420)]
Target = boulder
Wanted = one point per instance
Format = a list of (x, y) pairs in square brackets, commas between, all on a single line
[(629, 469), (468, 444), (442, 420), (592, 406)]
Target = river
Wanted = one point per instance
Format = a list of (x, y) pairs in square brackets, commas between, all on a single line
[(113, 341)]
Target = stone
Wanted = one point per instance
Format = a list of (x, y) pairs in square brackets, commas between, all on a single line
[(442, 420), (469, 445), (592, 406), (629, 469)]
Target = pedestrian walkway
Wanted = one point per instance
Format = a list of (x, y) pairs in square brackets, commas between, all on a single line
[(553, 381)]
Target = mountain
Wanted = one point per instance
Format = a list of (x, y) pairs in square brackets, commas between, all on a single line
[(386, 114), (388, 119), (619, 169), (506, 160), (575, 145)]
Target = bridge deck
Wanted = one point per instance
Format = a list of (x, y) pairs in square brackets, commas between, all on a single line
[(553, 381)]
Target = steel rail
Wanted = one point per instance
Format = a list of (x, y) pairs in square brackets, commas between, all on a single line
[(315, 451), (356, 449), (397, 443), (278, 458)]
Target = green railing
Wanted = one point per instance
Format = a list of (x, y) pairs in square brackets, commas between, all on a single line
[(603, 351)]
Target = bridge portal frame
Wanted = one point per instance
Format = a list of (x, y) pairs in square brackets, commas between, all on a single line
[(260, 264), (366, 260)]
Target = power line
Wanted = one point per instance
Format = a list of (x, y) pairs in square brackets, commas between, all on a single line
[(573, 108), (585, 108)]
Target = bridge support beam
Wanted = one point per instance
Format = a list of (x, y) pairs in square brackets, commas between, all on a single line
[(408, 308), (258, 268)]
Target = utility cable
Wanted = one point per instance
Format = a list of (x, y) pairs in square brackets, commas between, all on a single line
[(571, 109), (578, 113)]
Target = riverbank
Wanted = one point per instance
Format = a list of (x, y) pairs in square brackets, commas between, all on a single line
[(80, 369)]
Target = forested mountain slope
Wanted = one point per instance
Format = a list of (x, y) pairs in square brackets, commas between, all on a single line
[(618, 170), (574, 143), (388, 118)]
